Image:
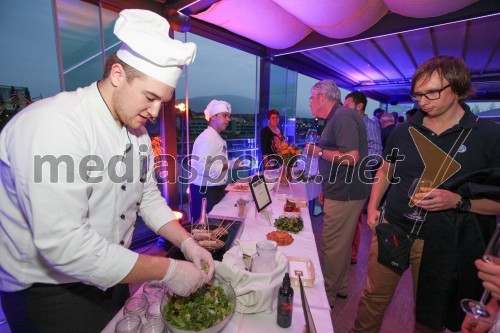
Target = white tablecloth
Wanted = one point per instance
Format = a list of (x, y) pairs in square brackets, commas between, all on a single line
[(255, 228)]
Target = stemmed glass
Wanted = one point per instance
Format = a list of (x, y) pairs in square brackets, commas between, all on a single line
[(311, 135), (416, 187), (478, 309)]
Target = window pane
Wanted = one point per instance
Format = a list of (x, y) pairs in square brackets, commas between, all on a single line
[(223, 73), (282, 97), (80, 42)]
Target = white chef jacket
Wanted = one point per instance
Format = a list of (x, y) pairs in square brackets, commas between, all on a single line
[(73, 223), (209, 147)]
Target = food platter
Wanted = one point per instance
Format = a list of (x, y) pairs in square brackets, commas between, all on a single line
[(283, 238), (233, 226), (210, 237), (244, 187), (291, 209), (208, 310), (289, 224), (238, 187)]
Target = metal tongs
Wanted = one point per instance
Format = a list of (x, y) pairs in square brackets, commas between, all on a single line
[(310, 327)]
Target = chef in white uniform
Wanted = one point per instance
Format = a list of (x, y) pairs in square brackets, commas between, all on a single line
[(75, 170), (209, 162)]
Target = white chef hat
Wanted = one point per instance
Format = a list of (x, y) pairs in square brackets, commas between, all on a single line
[(147, 47), (215, 107)]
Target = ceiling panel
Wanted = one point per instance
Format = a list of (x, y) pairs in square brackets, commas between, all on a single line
[(380, 60), (376, 60), (333, 61), (360, 69), (393, 45), (478, 61), (450, 39)]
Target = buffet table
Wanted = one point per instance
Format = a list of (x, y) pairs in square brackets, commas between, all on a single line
[(255, 228), (304, 245)]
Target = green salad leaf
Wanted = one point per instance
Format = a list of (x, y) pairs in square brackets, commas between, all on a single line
[(205, 308), (290, 224)]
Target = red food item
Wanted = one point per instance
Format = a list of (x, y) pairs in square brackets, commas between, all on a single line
[(291, 207), (280, 237)]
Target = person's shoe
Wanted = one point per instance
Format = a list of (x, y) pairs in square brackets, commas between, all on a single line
[(341, 296)]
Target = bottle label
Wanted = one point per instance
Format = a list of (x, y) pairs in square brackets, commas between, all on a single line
[(286, 309)]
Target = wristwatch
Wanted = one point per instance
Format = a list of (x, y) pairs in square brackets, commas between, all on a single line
[(463, 206), (320, 153)]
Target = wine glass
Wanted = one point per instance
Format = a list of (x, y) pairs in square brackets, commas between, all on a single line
[(477, 309), (311, 135), (415, 188)]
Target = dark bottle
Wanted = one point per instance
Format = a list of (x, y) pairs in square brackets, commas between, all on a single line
[(285, 303)]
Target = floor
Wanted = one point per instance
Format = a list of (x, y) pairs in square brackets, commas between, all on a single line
[(4, 328), (399, 315)]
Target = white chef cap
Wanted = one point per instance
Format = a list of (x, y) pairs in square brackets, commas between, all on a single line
[(215, 107), (147, 47)]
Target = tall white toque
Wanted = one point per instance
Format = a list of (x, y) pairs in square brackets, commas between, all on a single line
[(215, 107), (147, 47)]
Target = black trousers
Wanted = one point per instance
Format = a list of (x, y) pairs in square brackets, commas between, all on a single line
[(214, 195), (72, 307)]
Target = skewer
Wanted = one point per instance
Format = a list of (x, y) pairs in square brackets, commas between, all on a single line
[(219, 232), (218, 235), (266, 213)]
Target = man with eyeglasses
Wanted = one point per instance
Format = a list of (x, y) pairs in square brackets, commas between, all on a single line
[(459, 212), (341, 149)]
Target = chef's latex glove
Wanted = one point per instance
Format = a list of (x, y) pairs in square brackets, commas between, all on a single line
[(183, 278), (198, 256)]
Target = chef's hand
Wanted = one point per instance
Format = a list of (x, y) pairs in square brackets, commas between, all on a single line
[(183, 278), (198, 256)]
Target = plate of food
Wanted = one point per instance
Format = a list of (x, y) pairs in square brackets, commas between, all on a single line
[(238, 187), (209, 236), (208, 310), (290, 224), (291, 209), (281, 237)]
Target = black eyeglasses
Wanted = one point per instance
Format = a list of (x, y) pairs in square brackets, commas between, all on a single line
[(431, 95), (312, 97)]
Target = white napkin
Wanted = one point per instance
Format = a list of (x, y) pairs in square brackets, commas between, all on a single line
[(255, 292)]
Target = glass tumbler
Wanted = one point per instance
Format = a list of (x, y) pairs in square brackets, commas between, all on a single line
[(129, 324), (264, 261), (242, 207), (154, 327), (153, 290), (153, 312), (136, 305)]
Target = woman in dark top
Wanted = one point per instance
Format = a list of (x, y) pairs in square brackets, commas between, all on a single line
[(270, 140)]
